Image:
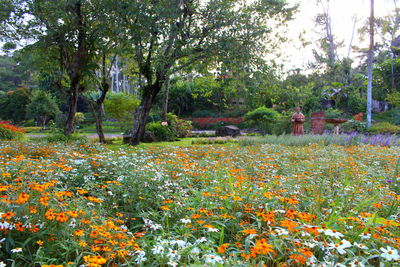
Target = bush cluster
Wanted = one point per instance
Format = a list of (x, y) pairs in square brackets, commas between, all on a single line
[(171, 129), (385, 127)]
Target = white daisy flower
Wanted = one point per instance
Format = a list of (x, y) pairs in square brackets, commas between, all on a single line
[(389, 253)]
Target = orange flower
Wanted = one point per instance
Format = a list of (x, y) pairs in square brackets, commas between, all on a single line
[(249, 231), (95, 259), (94, 234), (22, 198), (62, 217), (44, 200), (299, 258), (290, 225), (261, 248), (223, 247), (79, 233), (40, 242), (50, 215), (8, 215)]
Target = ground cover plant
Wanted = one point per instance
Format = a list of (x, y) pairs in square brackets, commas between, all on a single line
[(216, 205)]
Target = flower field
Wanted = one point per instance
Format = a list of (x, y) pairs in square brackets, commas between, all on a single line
[(272, 205)]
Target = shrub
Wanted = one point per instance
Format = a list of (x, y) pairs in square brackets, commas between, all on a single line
[(79, 118), (180, 128), (171, 129), (353, 126), (332, 113), (162, 132), (57, 135), (394, 99), (10, 132), (283, 125), (385, 127), (263, 118)]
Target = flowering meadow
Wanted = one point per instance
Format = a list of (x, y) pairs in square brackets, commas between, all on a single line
[(215, 205)]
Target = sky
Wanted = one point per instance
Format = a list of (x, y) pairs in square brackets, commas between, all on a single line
[(342, 13)]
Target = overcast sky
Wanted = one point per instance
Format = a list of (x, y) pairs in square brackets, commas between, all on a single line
[(342, 13)]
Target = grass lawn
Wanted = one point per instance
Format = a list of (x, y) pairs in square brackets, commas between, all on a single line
[(173, 204)]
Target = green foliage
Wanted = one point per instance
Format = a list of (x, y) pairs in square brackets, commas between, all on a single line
[(120, 107), (283, 124), (332, 113), (15, 72), (394, 99), (263, 118), (203, 114), (179, 128), (385, 127), (42, 107), (60, 137), (171, 129), (162, 132), (13, 105), (392, 116), (382, 73), (79, 118), (353, 126)]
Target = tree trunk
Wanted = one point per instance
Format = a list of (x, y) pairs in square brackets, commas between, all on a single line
[(393, 73), (73, 104), (165, 100), (370, 55), (98, 116), (43, 119), (142, 113)]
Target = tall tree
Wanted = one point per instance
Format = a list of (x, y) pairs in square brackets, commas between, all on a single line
[(388, 28), (328, 43), (370, 56), (67, 32), (166, 36)]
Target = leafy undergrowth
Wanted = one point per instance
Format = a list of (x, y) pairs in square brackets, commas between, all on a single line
[(203, 205)]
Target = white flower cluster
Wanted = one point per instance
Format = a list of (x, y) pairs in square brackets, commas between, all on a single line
[(149, 225)]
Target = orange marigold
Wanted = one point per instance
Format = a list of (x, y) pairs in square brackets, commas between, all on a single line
[(22, 198)]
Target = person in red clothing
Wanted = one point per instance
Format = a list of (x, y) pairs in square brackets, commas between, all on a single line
[(298, 120)]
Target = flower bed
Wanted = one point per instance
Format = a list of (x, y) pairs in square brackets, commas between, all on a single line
[(203, 205), (10, 132)]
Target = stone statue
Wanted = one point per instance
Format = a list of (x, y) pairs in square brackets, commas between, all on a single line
[(298, 120)]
